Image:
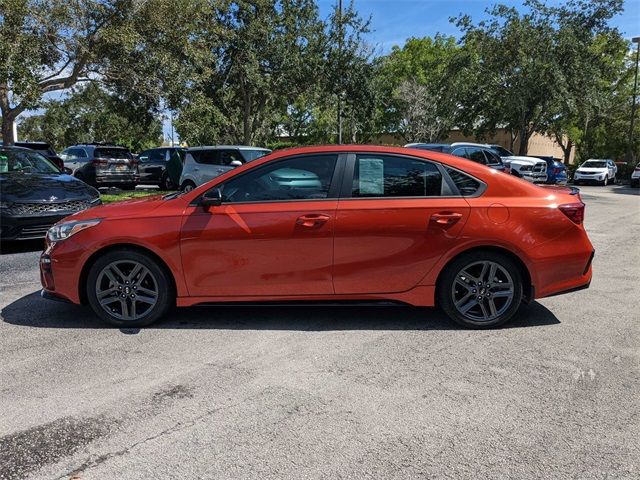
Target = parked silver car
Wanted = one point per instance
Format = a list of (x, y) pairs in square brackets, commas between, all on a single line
[(201, 164)]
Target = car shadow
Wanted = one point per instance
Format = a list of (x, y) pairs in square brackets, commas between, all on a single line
[(625, 190), (33, 311), (21, 246)]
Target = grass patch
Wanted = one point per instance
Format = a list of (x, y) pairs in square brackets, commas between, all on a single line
[(127, 195)]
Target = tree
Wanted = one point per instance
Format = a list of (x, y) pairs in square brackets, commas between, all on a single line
[(52, 45), (93, 114), (517, 66), (415, 83)]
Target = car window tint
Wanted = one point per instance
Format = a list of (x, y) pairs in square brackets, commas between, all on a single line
[(492, 158), (157, 155), (251, 155), (387, 176), (460, 152), (476, 155), (117, 153), (80, 153), (228, 156), (298, 178), (466, 185), (207, 157)]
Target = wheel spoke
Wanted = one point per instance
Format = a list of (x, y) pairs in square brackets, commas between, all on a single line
[(109, 300), (492, 273), (111, 276), (468, 306), (464, 299), (503, 294), (468, 276), (492, 307), (145, 290), (125, 309), (485, 270), (502, 285), (134, 271), (485, 314), (145, 299), (114, 268), (108, 291), (462, 283)]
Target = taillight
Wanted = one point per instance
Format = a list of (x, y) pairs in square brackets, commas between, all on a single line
[(557, 170), (573, 211), (97, 161)]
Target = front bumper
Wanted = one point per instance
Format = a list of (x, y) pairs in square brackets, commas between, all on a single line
[(535, 177), (27, 227), (581, 177)]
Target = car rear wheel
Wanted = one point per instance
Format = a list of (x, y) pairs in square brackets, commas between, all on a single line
[(187, 186), (127, 288), (166, 183), (480, 289)]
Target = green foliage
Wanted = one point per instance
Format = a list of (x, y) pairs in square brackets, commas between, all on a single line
[(93, 114)]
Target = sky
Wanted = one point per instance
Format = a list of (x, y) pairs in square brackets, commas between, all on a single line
[(393, 21)]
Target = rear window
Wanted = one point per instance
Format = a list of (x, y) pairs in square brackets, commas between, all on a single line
[(119, 153), (467, 185)]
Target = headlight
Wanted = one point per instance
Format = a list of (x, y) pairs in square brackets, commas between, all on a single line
[(64, 230)]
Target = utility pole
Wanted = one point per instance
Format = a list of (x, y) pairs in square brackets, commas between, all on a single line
[(339, 79), (630, 156)]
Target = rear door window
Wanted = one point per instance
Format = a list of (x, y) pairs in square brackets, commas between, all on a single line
[(476, 155), (206, 157), (389, 176), (228, 156)]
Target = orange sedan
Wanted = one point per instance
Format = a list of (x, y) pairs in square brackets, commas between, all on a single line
[(347, 223)]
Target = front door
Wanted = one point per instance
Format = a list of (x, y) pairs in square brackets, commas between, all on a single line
[(272, 235), (401, 217)]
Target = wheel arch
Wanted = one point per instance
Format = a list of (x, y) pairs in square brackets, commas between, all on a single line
[(84, 274), (527, 287)]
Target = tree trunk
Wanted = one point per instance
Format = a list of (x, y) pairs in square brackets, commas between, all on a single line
[(567, 151), (7, 127), (524, 141)]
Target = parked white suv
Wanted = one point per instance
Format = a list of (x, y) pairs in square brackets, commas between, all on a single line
[(201, 164), (596, 170), (531, 169)]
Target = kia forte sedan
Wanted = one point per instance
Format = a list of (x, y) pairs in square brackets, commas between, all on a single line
[(328, 224)]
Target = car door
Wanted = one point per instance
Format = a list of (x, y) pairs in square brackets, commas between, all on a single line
[(207, 165), (272, 235), (396, 217)]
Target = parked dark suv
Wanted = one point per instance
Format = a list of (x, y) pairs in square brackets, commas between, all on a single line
[(153, 166), (102, 165), (482, 155)]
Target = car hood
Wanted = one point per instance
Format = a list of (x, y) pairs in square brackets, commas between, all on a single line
[(592, 169), (31, 187), (521, 160), (127, 208)]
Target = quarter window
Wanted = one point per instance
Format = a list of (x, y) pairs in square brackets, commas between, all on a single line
[(298, 178), (467, 186), (388, 176)]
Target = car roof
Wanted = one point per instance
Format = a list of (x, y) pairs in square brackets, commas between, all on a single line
[(220, 147), (12, 147), (471, 144)]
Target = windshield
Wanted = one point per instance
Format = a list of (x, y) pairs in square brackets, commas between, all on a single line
[(594, 164), (24, 161), (119, 153), (503, 152), (250, 155)]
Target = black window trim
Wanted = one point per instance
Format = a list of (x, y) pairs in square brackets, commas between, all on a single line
[(332, 195), (347, 180)]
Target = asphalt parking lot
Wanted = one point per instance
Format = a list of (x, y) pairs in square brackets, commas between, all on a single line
[(327, 392)]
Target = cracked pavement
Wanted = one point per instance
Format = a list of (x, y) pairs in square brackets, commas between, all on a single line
[(328, 392)]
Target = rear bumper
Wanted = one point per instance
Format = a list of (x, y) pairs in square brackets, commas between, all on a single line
[(106, 179)]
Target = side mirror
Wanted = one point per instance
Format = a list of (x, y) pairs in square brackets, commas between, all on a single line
[(235, 163), (211, 198)]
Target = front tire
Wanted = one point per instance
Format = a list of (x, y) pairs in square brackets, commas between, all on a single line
[(127, 288), (480, 289), (166, 183), (605, 182), (187, 186)]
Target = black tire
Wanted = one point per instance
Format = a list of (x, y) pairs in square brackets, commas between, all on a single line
[(128, 187), (166, 183), (157, 273), (187, 186), (448, 286)]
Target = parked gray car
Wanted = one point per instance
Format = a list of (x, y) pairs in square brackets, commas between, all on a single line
[(102, 165), (201, 164)]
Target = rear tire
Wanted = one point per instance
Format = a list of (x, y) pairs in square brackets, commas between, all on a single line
[(187, 186), (127, 288), (480, 289), (166, 183)]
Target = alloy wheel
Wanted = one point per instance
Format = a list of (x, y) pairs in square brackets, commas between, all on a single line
[(482, 291), (126, 290)]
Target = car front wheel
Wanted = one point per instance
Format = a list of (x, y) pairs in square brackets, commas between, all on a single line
[(127, 288), (481, 289), (187, 186)]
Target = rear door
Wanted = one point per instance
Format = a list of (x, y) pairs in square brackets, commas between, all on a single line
[(396, 217)]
